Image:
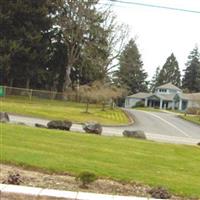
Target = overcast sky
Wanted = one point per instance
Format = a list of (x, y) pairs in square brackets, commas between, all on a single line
[(160, 32)]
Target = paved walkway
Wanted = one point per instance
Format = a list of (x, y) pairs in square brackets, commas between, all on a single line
[(39, 193)]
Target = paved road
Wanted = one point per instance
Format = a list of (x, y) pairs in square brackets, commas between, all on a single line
[(164, 123), (164, 127)]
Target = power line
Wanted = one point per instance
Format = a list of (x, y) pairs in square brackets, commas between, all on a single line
[(154, 6)]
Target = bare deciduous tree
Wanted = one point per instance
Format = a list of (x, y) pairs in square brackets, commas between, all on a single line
[(114, 39), (101, 93), (87, 30)]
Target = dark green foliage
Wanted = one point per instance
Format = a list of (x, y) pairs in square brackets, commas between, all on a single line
[(55, 44), (91, 63), (170, 72), (25, 30), (191, 79), (154, 82), (139, 104), (131, 73), (85, 37), (54, 77), (86, 178)]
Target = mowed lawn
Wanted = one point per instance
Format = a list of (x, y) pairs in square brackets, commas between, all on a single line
[(192, 118), (54, 109), (176, 167)]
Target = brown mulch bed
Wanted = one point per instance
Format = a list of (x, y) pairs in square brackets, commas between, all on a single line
[(66, 182)]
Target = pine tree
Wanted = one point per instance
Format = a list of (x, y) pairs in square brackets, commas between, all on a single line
[(24, 39), (191, 79), (170, 72), (154, 81), (131, 73)]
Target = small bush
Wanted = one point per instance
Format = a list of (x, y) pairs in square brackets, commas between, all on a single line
[(14, 179), (139, 104), (160, 193), (86, 178), (193, 111)]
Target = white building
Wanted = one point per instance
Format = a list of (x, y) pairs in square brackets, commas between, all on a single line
[(166, 96)]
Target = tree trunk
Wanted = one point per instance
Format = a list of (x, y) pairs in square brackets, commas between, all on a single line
[(87, 107), (11, 82), (27, 83), (11, 85), (103, 106), (112, 105), (68, 80)]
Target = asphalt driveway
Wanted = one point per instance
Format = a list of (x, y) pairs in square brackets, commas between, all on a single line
[(164, 123), (164, 127)]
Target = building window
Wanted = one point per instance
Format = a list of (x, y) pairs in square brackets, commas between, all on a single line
[(162, 90)]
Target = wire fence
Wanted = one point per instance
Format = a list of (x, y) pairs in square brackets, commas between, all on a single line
[(30, 94)]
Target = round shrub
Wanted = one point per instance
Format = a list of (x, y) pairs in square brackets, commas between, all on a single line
[(86, 178), (139, 104)]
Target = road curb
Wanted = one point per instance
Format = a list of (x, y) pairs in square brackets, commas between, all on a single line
[(40, 193)]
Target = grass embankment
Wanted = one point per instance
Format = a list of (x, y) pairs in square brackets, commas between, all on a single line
[(192, 118), (148, 109), (54, 109), (173, 166)]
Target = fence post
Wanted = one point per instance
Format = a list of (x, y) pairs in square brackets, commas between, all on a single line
[(2, 92), (5, 92), (30, 96)]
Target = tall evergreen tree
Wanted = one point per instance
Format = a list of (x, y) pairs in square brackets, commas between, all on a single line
[(170, 72), (131, 73), (154, 82), (24, 40), (191, 79)]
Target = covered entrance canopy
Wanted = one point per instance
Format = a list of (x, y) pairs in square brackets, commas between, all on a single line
[(152, 101), (158, 101)]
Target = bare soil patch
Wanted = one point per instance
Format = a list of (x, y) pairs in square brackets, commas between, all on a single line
[(66, 182)]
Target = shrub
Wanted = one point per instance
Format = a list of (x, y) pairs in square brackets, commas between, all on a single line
[(193, 111), (86, 178), (139, 104), (160, 193), (14, 179)]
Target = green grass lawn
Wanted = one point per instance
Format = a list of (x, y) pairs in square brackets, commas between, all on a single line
[(149, 109), (192, 118), (176, 167), (53, 109)]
